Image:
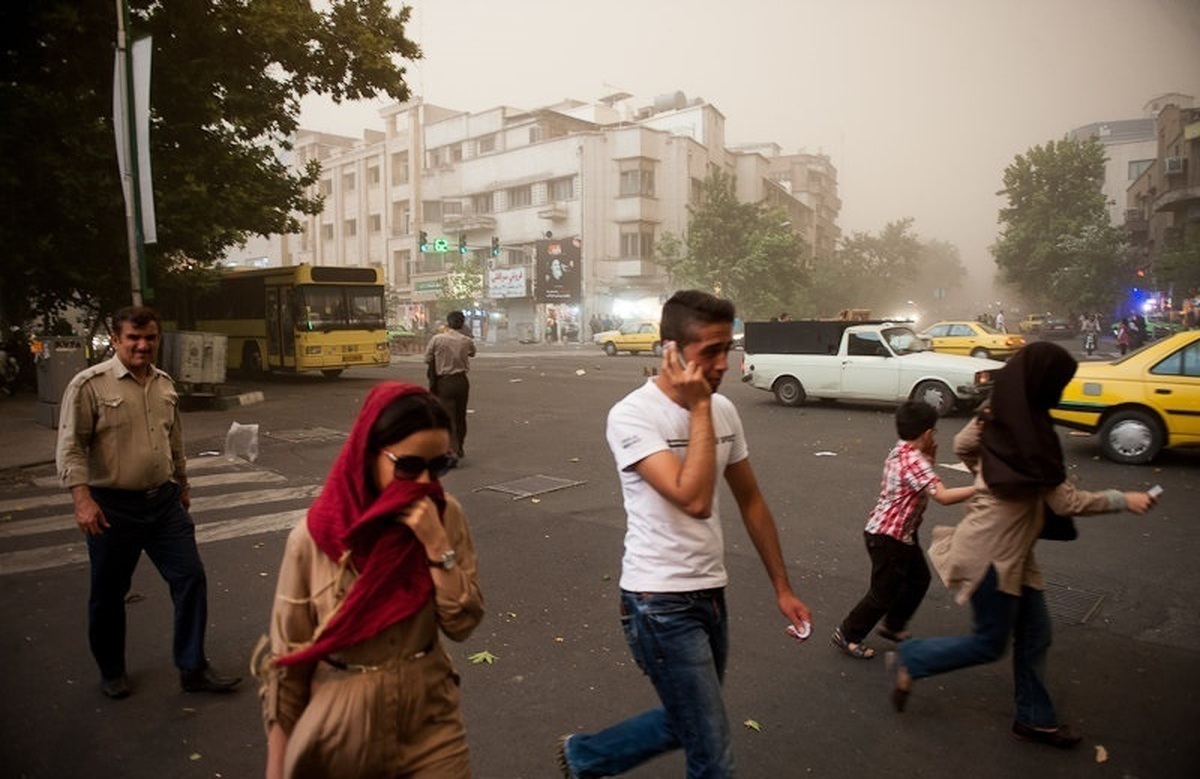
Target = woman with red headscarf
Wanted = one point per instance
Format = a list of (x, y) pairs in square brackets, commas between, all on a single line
[(356, 682), (987, 558)]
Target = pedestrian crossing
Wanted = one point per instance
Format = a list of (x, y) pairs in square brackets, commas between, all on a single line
[(230, 499)]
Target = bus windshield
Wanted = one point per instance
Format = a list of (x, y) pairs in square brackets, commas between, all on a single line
[(329, 307)]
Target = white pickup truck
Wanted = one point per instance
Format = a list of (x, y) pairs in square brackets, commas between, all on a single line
[(875, 361)]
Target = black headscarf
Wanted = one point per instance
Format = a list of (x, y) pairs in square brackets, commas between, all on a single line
[(1021, 451)]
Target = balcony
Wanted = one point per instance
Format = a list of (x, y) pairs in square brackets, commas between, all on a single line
[(1136, 222), (555, 212), (465, 222)]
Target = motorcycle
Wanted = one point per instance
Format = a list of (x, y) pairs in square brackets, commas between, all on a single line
[(1089, 342)]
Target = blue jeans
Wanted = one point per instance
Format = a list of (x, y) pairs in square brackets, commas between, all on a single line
[(162, 528), (996, 616), (681, 641)]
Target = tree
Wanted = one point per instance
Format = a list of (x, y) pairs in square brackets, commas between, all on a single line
[(742, 251), (227, 79), (1057, 245), (1177, 268)]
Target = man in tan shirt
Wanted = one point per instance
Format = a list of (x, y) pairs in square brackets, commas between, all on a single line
[(120, 453), (448, 357)]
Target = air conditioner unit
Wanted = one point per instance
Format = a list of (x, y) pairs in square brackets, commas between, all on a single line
[(1173, 165)]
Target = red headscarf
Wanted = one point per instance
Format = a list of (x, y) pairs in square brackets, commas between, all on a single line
[(349, 516)]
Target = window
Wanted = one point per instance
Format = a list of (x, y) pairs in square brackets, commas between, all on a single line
[(401, 218), (326, 187), (326, 233), (637, 180), (520, 197), (351, 228), (561, 189), (436, 157), (482, 204), (1138, 167), (348, 181), (456, 153), (400, 167), (487, 144), (1184, 362), (939, 331), (373, 175), (376, 222), (400, 265), (865, 345), (637, 241), (696, 195), (962, 331)]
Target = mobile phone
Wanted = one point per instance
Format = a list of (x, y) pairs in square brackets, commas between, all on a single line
[(1155, 491), (674, 347)]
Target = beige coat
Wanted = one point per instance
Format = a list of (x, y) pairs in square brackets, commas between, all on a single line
[(393, 709), (1001, 533)]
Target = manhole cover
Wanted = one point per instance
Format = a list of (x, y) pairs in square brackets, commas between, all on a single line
[(1073, 604), (530, 486), (308, 435)]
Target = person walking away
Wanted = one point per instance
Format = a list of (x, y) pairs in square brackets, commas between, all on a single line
[(449, 356), (120, 453), (899, 573), (988, 560), (671, 438), (1000, 322), (354, 679)]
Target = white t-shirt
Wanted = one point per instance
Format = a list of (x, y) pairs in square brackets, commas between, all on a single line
[(665, 549)]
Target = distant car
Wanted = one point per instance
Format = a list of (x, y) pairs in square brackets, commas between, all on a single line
[(632, 337), (1032, 324), (1146, 400), (972, 338), (1056, 327)]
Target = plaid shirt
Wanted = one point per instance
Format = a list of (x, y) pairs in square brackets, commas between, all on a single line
[(902, 500)]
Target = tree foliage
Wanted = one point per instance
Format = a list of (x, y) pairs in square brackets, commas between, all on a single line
[(1177, 268), (886, 270), (742, 251), (227, 79), (1057, 245)]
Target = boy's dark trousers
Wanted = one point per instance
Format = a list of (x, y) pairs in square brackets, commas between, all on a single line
[(899, 579)]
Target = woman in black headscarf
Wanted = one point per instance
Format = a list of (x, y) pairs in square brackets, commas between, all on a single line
[(988, 557)]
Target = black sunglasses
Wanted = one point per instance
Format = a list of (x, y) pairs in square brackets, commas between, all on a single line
[(410, 466)]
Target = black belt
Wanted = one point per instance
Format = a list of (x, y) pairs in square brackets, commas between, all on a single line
[(149, 494)]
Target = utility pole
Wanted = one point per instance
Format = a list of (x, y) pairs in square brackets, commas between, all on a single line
[(129, 181)]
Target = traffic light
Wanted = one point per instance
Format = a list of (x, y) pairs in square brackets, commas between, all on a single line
[(495, 246), (424, 241), (462, 244)]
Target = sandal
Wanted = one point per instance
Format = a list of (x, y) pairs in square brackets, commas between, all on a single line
[(858, 651), (895, 636)]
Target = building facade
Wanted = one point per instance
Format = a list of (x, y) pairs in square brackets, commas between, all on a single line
[(593, 185)]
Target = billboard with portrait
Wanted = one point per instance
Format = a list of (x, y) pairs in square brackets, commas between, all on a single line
[(557, 265)]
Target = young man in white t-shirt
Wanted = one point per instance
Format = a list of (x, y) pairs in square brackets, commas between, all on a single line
[(671, 438)]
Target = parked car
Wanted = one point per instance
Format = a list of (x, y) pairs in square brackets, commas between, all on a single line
[(632, 337), (1141, 403), (973, 338), (1056, 327)]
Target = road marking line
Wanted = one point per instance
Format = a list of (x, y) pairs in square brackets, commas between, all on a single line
[(71, 554), (63, 497)]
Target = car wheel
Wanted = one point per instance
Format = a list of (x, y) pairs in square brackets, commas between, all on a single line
[(937, 395), (657, 348), (610, 349), (981, 353), (1131, 437), (252, 363), (788, 391)]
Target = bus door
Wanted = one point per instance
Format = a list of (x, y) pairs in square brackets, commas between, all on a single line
[(275, 338)]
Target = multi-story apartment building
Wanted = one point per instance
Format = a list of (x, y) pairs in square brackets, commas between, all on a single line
[(602, 182), (1165, 198), (1130, 148)]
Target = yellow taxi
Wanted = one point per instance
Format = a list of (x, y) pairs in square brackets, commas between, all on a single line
[(632, 337), (1147, 400), (973, 338)]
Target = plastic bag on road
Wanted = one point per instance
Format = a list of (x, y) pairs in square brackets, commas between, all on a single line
[(242, 441)]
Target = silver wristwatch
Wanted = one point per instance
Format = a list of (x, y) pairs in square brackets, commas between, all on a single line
[(447, 561)]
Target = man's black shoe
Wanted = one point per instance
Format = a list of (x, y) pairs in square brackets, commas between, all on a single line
[(117, 687), (1061, 737), (207, 680)]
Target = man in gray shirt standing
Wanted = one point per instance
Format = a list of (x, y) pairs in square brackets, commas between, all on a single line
[(120, 453), (448, 357)]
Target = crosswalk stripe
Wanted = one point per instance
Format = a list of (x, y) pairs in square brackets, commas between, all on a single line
[(71, 554), (63, 498), (193, 464), (200, 504)]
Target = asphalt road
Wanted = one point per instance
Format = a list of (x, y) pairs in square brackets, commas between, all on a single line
[(1123, 669)]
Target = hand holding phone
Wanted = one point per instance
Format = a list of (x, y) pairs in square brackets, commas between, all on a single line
[(1155, 491)]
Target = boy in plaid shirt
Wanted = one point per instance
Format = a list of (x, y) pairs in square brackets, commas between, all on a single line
[(899, 573)]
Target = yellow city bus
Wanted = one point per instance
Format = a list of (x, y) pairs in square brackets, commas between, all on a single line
[(298, 318)]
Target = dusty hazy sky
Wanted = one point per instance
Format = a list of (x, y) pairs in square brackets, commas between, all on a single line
[(919, 103)]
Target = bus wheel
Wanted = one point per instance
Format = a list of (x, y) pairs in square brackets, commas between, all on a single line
[(252, 363), (331, 373)]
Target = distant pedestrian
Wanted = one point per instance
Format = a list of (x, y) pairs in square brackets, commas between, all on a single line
[(899, 573), (448, 356), (1123, 336), (120, 453), (672, 439), (987, 559), (1000, 322)]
